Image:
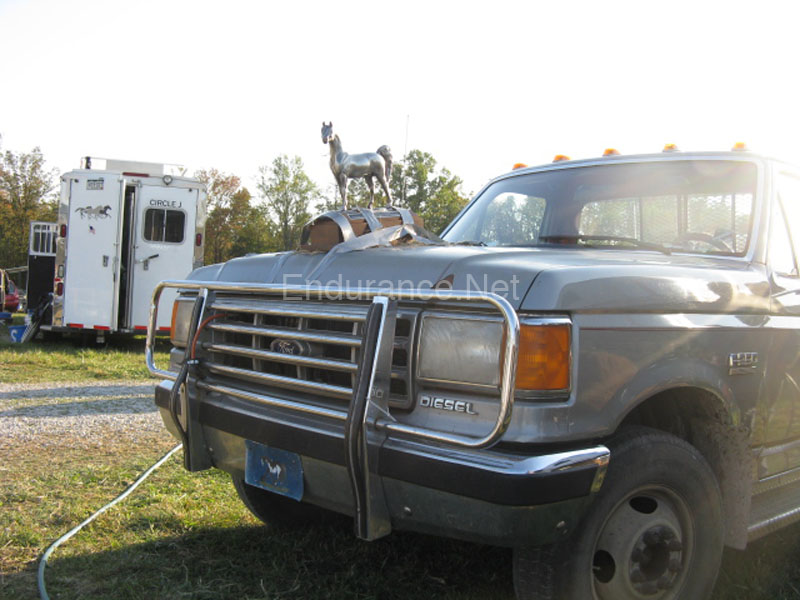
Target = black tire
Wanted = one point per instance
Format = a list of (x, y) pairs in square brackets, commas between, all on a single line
[(653, 531), (278, 511), (51, 337)]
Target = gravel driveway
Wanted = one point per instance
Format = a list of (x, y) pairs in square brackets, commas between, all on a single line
[(81, 415)]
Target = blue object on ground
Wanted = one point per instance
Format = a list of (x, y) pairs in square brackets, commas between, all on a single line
[(16, 332)]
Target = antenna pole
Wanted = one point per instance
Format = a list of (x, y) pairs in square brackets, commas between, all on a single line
[(405, 160)]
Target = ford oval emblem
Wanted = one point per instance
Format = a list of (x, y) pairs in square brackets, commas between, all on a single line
[(292, 347)]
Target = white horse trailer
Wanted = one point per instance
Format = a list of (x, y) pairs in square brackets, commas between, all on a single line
[(121, 230)]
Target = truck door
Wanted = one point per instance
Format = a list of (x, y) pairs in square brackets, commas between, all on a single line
[(163, 248), (782, 451), (92, 252)]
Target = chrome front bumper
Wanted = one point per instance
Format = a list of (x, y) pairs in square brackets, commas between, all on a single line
[(488, 496)]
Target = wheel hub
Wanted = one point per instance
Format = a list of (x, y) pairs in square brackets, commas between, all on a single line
[(643, 547), (656, 560)]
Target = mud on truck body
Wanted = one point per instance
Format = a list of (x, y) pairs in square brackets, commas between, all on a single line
[(596, 365)]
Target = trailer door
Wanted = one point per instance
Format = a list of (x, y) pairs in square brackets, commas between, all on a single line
[(41, 263), (164, 248), (92, 252)]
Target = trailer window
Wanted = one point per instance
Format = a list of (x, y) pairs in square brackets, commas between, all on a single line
[(162, 225), (43, 239)]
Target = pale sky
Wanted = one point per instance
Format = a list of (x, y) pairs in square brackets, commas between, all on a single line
[(231, 84)]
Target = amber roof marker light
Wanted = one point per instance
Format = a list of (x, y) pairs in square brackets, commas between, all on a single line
[(740, 147), (670, 148), (518, 166), (561, 157), (610, 152)]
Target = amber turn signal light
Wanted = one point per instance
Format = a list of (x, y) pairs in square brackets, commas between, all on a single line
[(182, 311), (172, 321), (543, 362)]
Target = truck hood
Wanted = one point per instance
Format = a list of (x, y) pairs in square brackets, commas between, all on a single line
[(504, 271), (535, 279)]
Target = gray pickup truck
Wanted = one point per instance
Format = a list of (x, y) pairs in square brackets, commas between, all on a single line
[(597, 365)]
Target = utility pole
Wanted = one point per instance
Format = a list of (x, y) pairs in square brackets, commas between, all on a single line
[(405, 160)]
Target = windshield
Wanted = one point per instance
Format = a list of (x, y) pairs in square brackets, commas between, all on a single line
[(703, 206)]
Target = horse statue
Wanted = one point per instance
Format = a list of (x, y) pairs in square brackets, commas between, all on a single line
[(352, 166)]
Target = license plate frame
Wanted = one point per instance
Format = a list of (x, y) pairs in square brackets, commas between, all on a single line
[(274, 470)]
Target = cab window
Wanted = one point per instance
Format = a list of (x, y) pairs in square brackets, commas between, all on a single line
[(789, 196), (697, 206), (512, 219)]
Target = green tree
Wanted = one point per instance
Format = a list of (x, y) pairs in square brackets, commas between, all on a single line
[(234, 226), (221, 188), (288, 193), (26, 187), (254, 231), (433, 193), (413, 181)]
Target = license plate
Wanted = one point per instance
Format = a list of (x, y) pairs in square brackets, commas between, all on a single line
[(274, 470)]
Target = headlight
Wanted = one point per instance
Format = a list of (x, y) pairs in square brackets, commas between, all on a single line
[(460, 350), (469, 350), (181, 320)]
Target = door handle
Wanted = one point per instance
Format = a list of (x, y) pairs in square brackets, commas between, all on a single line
[(146, 261)]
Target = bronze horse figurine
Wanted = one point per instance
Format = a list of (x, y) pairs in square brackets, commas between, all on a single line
[(352, 166)]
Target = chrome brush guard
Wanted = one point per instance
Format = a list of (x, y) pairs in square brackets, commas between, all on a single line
[(367, 419)]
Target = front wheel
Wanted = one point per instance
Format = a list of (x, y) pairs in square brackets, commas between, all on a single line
[(654, 531), (279, 512)]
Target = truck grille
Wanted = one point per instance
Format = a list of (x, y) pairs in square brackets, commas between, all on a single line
[(303, 347)]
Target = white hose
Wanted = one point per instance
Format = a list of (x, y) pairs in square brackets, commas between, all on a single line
[(42, 590)]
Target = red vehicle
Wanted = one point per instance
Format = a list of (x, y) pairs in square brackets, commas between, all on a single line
[(10, 293)]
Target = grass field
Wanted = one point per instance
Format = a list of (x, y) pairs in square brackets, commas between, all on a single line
[(65, 360), (185, 535)]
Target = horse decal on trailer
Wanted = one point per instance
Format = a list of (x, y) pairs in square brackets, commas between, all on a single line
[(98, 212)]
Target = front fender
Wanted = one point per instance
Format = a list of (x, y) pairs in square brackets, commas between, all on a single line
[(619, 366)]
